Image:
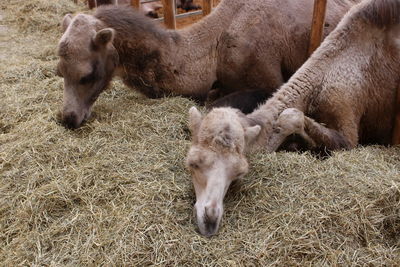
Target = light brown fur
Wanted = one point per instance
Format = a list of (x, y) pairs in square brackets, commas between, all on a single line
[(342, 96), (244, 45)]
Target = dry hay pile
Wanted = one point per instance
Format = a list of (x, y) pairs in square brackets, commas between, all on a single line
[(116, 192)]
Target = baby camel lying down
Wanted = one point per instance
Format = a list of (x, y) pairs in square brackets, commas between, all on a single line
[(342, 96)]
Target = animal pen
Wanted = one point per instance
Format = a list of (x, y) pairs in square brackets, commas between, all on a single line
[(169, 10), (116, 192)]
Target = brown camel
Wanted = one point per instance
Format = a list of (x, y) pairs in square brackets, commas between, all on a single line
[(343, 95), (244, 45)]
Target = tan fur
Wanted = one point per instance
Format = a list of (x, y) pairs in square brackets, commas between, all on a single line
[(252, 44), (342, 96), (349, 84), (87, 63)]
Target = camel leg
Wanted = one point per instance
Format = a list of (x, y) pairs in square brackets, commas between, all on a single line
[(329, 139), (246, 101), (317, 136), (396, 129)]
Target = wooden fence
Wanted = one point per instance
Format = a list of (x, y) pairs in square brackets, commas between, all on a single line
[(169, 9), (317, 26)]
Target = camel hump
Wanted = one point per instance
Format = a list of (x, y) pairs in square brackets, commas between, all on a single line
[(382, 13)]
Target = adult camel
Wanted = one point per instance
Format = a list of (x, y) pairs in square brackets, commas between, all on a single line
[(244, 45), (343, 95)]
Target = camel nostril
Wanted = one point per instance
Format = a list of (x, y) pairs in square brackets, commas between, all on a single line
[(211, 219), (211, 211), (70, 120), (211, 227)]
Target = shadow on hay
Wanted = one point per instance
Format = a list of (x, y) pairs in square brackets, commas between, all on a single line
[(389, 206)]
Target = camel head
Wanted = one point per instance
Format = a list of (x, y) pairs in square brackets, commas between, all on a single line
[(87, 62), (215, 159)]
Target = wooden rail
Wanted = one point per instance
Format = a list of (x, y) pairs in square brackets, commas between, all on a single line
[(317, 26), (169, 9), (135, 3), (207, 7), (92, 4), (169, 13)]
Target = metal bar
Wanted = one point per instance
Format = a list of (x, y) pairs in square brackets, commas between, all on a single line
[(148, 1), (317, 26), (183, 15), (189, 14)]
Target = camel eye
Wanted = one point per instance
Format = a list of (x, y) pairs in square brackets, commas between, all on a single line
[(88, 79), (91, 77), (58, 72), (193, 165), (277, 130), (240, 174)]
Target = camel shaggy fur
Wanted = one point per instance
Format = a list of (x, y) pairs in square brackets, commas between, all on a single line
[(244, 45), (342, 96)]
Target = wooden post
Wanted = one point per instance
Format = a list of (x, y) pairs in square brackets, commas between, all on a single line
[(207, 7), (169, 13), (135, 3), (92, 3), (317, 26), (396, 127)]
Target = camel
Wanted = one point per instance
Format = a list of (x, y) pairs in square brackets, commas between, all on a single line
[(246, 101), (242, 45), (343, 95)]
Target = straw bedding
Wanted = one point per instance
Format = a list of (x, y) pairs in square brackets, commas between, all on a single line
[(115, 192)]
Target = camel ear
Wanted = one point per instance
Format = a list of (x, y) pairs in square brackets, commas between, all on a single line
[(66, 22), (104, 36), (194, 121), (251, 133)]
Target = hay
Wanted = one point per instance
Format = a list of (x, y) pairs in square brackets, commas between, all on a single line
[(38, 15), (115, 192)]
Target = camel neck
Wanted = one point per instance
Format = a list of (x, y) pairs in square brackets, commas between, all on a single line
[(193, 53), (160, 62), (304, 85), (296, 93)]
